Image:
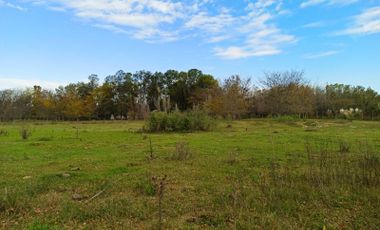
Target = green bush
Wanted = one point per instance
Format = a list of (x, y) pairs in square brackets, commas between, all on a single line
[(179, 122)]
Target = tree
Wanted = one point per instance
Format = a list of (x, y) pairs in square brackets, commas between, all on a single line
[(231, 100), (124, 95), (6, 105), (288, 93), (202, 90), (38, 110), (236, 93)]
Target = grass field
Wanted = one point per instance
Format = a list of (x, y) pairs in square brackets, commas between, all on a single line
[(253, 174)]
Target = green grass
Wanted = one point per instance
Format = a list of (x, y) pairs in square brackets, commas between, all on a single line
[(260, 174)]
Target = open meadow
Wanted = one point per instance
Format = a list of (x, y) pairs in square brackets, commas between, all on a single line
[(249, 174)]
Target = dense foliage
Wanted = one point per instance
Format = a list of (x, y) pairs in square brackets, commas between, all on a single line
[(133, 96), (176, 121)]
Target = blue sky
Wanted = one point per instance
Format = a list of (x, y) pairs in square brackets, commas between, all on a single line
[(52, 42)]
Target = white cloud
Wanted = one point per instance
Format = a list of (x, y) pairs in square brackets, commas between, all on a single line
[(218, 38), (19, 83), (142, 17), (234, 52), (11, 5), (365, 23), (155, 35), (112, 28), (261, 36), (211, 24), (312, 25), (322, 54), (251, 33), (265, 42), (310, 3)]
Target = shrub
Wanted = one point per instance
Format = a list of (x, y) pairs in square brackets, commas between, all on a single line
[(3, 132), (182, 152), (232, 158), (25, 133), (344, 147), (350, 114), (182, 122), (146, 187)]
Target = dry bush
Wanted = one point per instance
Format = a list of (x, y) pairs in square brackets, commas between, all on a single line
[(25, 133), (232, 158), (3, 132), (182, 152)]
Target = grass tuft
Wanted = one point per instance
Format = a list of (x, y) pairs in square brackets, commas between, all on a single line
[(182, 152)]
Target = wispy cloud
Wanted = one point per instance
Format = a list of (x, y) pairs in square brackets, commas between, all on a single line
[(11, 5), (112, 28), (20, 83), (210, 23), (322, 54), (265, 42), (368, 22), (234, 52), (218, 38), (143, 18), (236, 34), (310, 3), (313, 25), (261, 36)]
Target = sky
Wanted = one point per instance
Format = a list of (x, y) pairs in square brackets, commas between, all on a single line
[(54, 42)]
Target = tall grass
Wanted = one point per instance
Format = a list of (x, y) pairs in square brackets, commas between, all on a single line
[(306, 190)]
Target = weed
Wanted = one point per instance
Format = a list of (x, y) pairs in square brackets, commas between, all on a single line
[(25, 133), (344, 147), (328, 168), (151, 153), (232, 158), (3, 132), (42, 226), (12, 201), (182, 152), (160, 184), (76, 132), (146, 187)]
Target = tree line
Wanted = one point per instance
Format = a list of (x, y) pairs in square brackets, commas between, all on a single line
[(127, 95)]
